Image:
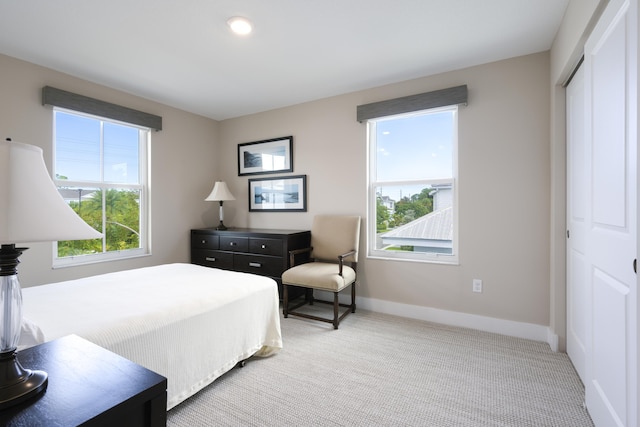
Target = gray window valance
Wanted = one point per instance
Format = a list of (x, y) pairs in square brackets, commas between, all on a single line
[(84, 104), (406, 104)]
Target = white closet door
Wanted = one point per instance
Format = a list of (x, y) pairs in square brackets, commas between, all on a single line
[(611, 131), (577, 190)]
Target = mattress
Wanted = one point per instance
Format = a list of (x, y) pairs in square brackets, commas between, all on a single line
[(186, 322)]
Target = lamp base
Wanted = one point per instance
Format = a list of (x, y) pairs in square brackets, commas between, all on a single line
[(221, 226), (16, 383)]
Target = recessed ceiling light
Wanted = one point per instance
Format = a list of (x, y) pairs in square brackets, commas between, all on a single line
[(239, 25)]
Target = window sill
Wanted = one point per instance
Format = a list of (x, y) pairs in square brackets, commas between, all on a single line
[(440, 260), (96, 259)]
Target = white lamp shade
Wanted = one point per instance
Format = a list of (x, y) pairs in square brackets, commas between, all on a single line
[(220, 192), (31, 209)]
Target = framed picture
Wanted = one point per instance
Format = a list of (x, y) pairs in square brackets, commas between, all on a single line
[(283, 194), (268, 156)]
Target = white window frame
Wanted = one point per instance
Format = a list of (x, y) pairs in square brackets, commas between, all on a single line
[(373, 183), (144, 140)]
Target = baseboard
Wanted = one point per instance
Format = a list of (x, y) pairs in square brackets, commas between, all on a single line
[(488, 324), (473, 321), (553, 340)]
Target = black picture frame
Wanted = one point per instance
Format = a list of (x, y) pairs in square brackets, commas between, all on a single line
[(268, 156), (278, 194)]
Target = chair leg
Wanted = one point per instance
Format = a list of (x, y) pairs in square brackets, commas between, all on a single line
[(336, 312), (285, 300), (353, 297)]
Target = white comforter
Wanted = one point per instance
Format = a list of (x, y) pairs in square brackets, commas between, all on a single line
[(186, 322)]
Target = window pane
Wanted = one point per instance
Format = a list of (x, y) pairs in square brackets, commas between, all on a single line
[(121, 157), (122, 225), (122, 219), (77, 147), (87, 203), (415, 147), (414, 218)]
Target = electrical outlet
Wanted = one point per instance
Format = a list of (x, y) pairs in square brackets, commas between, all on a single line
[(477, 285)]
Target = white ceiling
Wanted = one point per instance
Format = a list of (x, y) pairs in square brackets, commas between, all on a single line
[(181, 53)]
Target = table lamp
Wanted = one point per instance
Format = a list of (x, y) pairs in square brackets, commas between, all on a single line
[(220, 193), (31, 210)]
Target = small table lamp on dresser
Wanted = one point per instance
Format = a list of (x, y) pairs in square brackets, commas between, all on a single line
[(220, 193), (31, 210)]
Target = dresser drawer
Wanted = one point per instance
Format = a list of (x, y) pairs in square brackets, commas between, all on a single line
[(234, 243), (265, 246), (204, 241), (217, 259), (257, 264)]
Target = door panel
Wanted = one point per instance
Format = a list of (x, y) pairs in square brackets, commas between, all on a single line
[(611, 220), (577, 191), (608, 105), (609, 336)]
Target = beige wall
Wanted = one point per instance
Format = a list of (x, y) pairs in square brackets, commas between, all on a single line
[(567, 49), (503, 182), (183, 157)]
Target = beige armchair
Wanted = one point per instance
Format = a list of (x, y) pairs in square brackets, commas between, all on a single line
[(331, 267)]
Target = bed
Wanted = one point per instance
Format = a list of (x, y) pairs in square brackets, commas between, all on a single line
[(186, 322)]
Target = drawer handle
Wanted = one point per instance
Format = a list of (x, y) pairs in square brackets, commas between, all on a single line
[(232, 243), (210, 258), (264, 246), (255, 264), (204, 241)]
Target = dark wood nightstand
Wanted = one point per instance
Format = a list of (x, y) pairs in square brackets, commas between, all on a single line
[(89, 386), (250, 250)]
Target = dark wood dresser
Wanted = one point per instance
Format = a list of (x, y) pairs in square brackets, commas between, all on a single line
[(89, 386), (250, 250)]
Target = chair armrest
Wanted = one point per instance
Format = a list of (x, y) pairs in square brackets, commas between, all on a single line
[(341, 259), (293, 253)]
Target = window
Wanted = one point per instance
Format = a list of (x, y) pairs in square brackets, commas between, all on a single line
[(100, 169), (412, 186)]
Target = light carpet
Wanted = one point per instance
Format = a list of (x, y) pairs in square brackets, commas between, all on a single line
[(382, 370)]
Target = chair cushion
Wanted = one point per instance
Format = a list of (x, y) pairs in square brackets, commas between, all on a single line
[(319, 275)]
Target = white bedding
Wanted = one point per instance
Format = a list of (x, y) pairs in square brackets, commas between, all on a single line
[(186, 322)]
